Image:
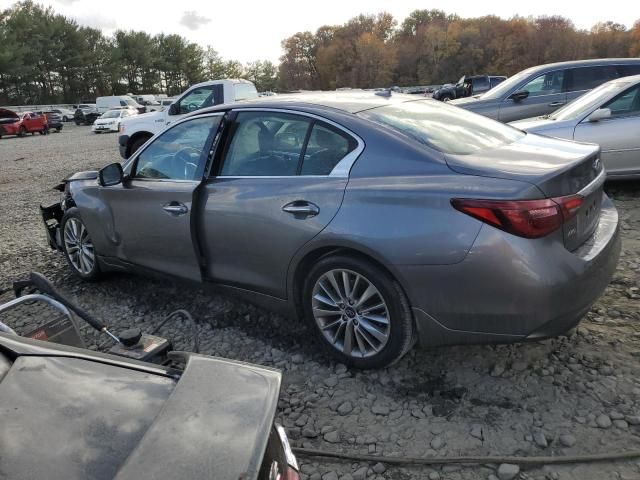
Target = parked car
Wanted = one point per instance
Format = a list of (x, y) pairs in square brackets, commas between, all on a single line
[(110, 120), (136, 131), (117, 101), (475, 232), (86, 114), (66, 114), (54, 120), (608, 115), (19, 124), (543, 89), (87, 415), (467, 86)]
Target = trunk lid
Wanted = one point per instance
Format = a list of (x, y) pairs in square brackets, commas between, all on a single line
[(559, 168)]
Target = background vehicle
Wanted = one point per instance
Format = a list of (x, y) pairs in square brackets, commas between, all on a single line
[(110, 120), (608, 115), (297, 203), (12, 123), (136, 131), (125, 418), (117, 101), (543, 89), (54, 120), (467, 86), (65, 113), (86, 114)]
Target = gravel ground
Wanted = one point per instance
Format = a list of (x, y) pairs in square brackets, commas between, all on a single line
[(569, 395)]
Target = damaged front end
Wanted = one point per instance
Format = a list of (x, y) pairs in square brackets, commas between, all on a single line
[(52, 215)]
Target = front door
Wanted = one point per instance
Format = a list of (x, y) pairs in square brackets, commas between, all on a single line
[(280, 181), (619, 135), (546, 94), (152, 210)]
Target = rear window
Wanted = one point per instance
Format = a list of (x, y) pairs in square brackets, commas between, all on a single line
[(443, 127), (245, 91)]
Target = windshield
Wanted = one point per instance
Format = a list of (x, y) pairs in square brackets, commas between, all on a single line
[(443, 127), (112, 114), (505, 87), (587, 102)]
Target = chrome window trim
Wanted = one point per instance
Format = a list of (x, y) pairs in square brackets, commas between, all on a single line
[(595, 184), (342, 168)]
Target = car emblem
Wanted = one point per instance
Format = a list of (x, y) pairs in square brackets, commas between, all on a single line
[(596, 164)]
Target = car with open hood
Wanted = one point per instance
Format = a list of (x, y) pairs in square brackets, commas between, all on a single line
[(19, 124), (381, 219)]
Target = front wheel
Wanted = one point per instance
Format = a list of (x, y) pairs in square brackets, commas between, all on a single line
[(359, 311), (77, 246)]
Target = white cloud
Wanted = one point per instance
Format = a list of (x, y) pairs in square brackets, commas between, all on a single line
[(193, 21)]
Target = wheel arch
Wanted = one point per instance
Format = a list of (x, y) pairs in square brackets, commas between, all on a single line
[(135, 137)]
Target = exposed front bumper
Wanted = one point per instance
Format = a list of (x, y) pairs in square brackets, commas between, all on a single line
[(51, 217), (509, 288), (105, 128)]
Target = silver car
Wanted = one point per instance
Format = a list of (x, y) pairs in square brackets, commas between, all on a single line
[(379, 220), (543, 89), (609, 116)]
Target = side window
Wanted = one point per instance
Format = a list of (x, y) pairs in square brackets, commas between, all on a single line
[(201, 97), (265, 144), (123, 103), (625, 104), (586, 78), (546, 84), (628, 70), (326, 147), (177, 153), (480, 85), (496, 81)]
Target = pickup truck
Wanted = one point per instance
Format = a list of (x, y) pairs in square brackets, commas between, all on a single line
[(467, 86), (135, 131)]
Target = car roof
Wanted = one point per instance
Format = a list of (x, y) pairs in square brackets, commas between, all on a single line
[(346, 101), (584, 63)]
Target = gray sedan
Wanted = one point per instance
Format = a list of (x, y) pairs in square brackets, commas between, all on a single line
[(381, 221), (609, 116)]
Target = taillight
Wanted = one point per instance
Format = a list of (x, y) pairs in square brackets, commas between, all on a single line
[(524, 218)]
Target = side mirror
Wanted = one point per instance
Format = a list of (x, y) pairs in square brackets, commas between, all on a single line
[(521, 95), (110, 175), (599, 114), (174, 109)]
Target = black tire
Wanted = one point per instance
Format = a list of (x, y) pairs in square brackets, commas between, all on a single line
[(137, 143), (400, 319), (78, 122), (65, 119), (447, 97), (22, 132), (58, 129), (92, 273)]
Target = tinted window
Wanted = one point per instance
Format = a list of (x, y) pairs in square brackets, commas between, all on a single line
[(628, 70), (480, 85), (627, 103), (586, 78), (442, 127), (266, 144), (200, 98), (176, 154), (123, 103), (496, 81), (326, 147), (545, 84)]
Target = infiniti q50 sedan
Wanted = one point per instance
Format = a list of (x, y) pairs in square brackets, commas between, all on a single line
[(380, 220)]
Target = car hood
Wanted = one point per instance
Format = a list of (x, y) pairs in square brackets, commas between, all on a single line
[(5, 113), (85, 415), (541, 124)]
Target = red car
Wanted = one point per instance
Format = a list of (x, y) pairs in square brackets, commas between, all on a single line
[(12, 123)]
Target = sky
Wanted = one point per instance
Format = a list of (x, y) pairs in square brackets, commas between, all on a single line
[(250, 30)]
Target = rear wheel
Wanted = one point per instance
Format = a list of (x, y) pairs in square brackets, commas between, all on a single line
[(77, 246), (22, 132), (65, 119), (359, 311), (447, 98)]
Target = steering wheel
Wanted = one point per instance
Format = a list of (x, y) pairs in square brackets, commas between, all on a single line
[(192, 107), (187, 159)]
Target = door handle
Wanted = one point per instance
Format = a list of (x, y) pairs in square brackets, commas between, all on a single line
[(301, 208), (175, 208), (556, 104)]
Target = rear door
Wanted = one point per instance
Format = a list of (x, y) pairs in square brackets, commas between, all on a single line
[(280, 180), (546, 94), (619, 135), (152, 211), (580, 80)]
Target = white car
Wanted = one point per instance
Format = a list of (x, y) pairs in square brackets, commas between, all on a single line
[(110, 120)]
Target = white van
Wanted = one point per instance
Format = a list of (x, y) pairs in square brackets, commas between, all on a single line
[(117, 101)]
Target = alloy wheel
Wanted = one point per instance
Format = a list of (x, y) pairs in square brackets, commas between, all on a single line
[(78, 246), (351, 313)]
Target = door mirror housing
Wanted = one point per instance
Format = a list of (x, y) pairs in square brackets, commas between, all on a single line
[(111, 175), (520, 95), (599, 114), (174, 109)]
